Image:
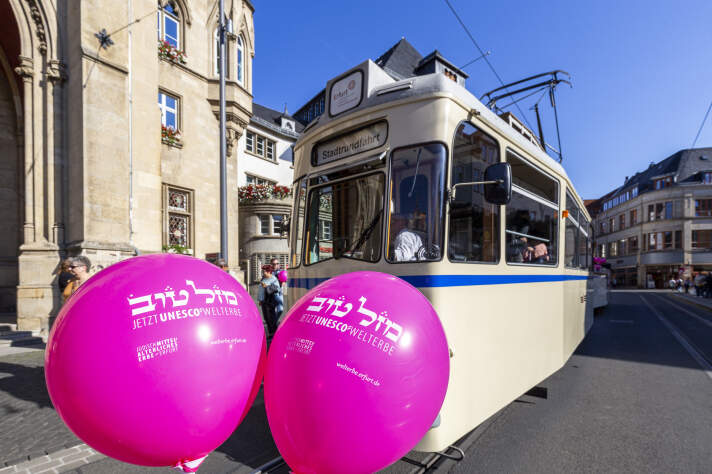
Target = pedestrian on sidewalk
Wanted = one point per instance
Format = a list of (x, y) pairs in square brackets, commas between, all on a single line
[(699, 282), (267, 296), (687, 285), (65, 275), (281, 276), (79, 266)]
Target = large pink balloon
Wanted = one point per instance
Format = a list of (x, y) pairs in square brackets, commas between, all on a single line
[(356, 374), (152, 361)]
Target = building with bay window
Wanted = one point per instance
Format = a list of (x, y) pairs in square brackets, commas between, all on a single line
[(110, 137), (265, 174), (658, 224)]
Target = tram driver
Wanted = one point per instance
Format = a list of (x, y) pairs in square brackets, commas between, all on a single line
[(408, 244)]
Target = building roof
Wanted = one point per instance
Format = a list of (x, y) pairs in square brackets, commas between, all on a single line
[(401, 60), (273, 119), (685, 166)]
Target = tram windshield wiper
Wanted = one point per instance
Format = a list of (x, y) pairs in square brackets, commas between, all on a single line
[(365, 234)]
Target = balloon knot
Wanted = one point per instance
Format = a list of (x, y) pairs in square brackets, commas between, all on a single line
[(189, 466)]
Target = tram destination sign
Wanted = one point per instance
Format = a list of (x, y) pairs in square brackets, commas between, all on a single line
[(358, 141)]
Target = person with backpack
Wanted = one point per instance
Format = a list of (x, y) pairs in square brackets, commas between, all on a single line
[(269, 298)]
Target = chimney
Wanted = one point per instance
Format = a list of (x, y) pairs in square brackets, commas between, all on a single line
[(285, 109)]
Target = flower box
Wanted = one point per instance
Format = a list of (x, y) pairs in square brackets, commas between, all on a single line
[(170, 53), (170, 136), (259, 192)]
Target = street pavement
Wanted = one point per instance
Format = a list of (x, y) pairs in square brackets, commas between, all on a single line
[(633, 398)]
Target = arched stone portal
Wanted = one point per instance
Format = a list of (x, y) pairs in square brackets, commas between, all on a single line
[(10, 188)]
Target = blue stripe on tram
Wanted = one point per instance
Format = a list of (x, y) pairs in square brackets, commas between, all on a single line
[(440, 281)]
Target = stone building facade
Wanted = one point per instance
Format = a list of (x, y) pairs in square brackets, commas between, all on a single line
[(91, 163), (658, 225), (265, 157)]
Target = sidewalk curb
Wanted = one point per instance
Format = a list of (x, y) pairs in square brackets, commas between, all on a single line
[(693, 302)]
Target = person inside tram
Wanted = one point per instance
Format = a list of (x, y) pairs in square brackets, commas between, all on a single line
[(408, 244), (522, 248)]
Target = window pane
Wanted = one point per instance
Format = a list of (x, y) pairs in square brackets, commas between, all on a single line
[(250, 179), (250, 142), (264, 225), (355, 210), (270, 149), (417, 203), (572, 233), (474, 223), (239, 65), (297, 227), (170, 102), (171, 120), (171, 31), (177, 200), (531, 225), (527, 177), (668, 210), (178, 230), (277, 224), (260, 145), (678, 239)]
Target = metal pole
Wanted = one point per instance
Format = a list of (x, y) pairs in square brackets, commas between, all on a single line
[(223, 159)]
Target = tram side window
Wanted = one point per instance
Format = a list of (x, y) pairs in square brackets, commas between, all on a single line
[(474, 223), (297, 225), (417, 203), (573, 235), (344, 219), (584, 257), (532, 215)]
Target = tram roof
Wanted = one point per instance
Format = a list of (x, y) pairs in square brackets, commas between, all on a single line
[(380, 88)]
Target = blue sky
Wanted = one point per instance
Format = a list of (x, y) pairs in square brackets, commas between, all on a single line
[(641, 70)]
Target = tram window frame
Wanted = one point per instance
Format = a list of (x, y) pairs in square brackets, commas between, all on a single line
[(476, 189), (537, 197), (296, 252), (440, 232), (307, 216)]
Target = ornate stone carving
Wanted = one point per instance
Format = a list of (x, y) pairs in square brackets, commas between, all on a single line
[(40, 30), (25, 69), (232, 135), (56, 72)]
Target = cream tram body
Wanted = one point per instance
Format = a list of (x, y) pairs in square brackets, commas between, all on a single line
[(509, 322)]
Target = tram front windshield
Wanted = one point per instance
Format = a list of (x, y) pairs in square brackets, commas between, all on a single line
[(345, 219)]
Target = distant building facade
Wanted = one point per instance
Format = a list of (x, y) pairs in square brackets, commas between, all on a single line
[(113, 150), (265, 157), (658, 224)]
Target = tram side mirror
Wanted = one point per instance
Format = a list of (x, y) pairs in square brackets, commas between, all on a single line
[(498, 183)]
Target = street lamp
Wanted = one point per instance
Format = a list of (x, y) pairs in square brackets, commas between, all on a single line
[(223, 159)]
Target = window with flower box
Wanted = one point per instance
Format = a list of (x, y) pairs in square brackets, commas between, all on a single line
[(178, 209), (169, 25), (169, 110), (261, 146)]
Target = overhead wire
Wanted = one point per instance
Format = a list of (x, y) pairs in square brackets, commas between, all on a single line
[(472, 38), (694, 142)]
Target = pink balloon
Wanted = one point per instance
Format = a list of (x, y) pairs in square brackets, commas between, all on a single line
[(356, 374), (152, 361), (282, 277)]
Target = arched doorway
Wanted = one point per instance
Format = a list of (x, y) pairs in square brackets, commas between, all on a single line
[(11, 184)]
